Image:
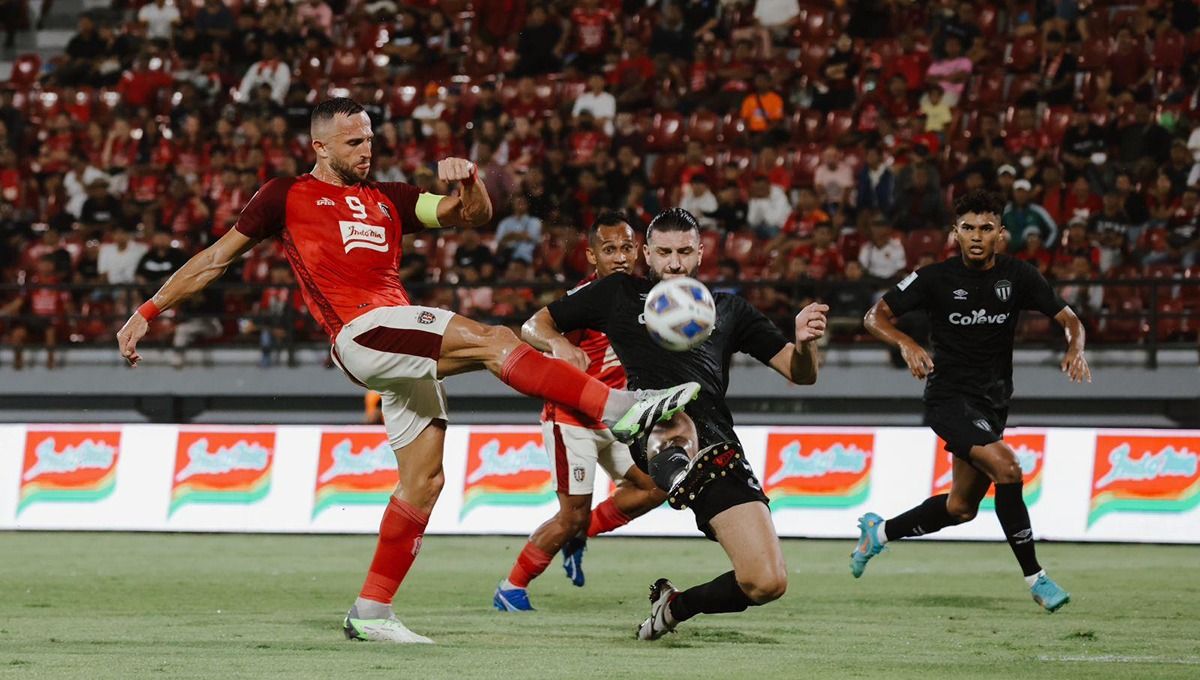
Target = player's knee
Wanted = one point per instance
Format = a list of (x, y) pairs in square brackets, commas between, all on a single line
[(766, 586), (960, 510), (423, 490), (1008, 472)]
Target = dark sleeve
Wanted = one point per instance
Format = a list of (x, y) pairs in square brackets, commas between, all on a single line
[(404, 197), (909, 293), (263, 216), (588, 307), (1037, 293), (754, 333)]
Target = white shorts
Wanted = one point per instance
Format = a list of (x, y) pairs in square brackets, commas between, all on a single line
[(574, 452), (394, 351)]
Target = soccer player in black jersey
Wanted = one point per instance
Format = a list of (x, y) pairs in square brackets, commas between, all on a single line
[(732, 508), (973, 301)]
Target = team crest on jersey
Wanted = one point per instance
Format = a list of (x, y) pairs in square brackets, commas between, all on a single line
[(426, 317), (325, 201), (384, 209), (1003, 290)]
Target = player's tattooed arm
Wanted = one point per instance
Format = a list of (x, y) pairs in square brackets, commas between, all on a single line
[(472, 207), (1074, 364), (800, 361), (194, 276), (881, 322), (542, 333)]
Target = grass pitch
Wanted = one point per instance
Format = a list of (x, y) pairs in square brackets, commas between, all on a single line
[(212, 606)]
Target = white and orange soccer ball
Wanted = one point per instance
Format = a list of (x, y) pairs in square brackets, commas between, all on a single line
[(680, 313)]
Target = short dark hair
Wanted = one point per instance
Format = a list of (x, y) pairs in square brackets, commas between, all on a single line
[(606, 218), (338, 106), (979, 201), (672, 219)]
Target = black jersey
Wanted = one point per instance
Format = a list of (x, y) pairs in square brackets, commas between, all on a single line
[(614, 305), (973, 315)]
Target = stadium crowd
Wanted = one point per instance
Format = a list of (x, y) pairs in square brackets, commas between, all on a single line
[(819, 143)]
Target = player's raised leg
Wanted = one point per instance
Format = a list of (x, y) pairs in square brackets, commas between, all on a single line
[(400, 533), (468, 345)]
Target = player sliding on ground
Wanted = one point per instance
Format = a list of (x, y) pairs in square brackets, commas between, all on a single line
[(730, 507), (973, 301), (341, 233), (575, 443)]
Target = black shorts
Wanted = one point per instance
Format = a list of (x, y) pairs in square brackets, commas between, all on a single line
[(964, 424), (724, 493)]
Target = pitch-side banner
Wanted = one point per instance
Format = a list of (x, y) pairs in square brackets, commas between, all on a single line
[(1080, 484)]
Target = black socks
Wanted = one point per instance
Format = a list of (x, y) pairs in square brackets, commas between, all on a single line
[(719, 596), (1014, 518), (926, 518)]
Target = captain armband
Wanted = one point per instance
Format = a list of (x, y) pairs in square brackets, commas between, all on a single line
[(427, 210)]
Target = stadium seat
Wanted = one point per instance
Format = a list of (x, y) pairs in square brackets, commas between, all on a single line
[(666, 132), (1023, 54), (1189, 290), (703, 127), (1170, 320), (1020, 85), (803, 163), (1056, 122), (346, 67), (924, 242), (1168, 52), (711, 240), (1126, 322), (447, 245), (744, 248), (838, 124), (1095, 53), (403, 99), (849, 244), (733, 129), (806, 125), (986, 91), (25, 72), (665, 170)]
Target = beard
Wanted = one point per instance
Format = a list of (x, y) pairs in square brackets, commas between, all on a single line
[(346, 173), (655, 275)]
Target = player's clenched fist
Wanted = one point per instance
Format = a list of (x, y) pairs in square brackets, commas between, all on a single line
[(919, 363), (810, 322), (455, 170), (129, 335)]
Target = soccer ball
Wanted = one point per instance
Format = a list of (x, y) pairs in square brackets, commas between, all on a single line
[(680, 313)]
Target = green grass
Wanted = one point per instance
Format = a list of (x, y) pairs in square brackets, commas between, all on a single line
[(206, 606)]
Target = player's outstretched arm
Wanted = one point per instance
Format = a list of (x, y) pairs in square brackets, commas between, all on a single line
[(1074, 364), (881, 322), (800, 361), (472, 207), (542, 333), (193, 277)]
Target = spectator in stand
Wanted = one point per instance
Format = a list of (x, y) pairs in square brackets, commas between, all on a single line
[(118, 262), (101, 209), (951, 71), (671, 35), (833, 180), (1026, 139), (519, 234), (51, 245), (601, 104), (159, 19), (822, 255), (768, 208), (1033, 250), (1183, 227), (850, 299), (626, 171), (315, 15), (835, 91), (474, 298), (920, 205), (1180, 166), (807, 215), (1022, 212), (1076, 243), (633, 78), (499, 22), (1160, 200), (911, 64), (160, 261), (1058, 71), (473, 254), (541, 44), (1053, 193), (45, 312), (272, 71), (430, 109), (728, 278), (732, 212), (1130, 66), (592, 30), (762, 109), (585, 140), (1081, 200), (1143, 137), (1086, 300), (1112, 217), (1083, 140), (883, 255), (77, 181), (214, 21), (937, 112), (84, 52), (699, 200)]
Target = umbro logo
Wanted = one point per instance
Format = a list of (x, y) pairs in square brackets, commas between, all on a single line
[(960, 294), (325, 201)]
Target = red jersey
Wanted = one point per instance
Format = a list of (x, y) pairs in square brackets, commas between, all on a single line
[(343, 242), (603, 365), (591, 29)]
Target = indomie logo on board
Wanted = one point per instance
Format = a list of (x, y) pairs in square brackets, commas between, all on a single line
[(221, 467), (506, 467), (354, 468), (68, 466), (819, 469), (1139, 473), (1031, 454)]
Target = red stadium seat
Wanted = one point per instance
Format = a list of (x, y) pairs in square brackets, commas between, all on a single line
[(733, 129), (838, 124), (703, 127), (346, 66), (817, 24), (665, 171), (666, 132), (403, 99), (1125, 322), (987, 91), (1169, 51), (1023, 54), (711, 241), (803, 163), (1020, 85), (849, 243), (812, 58), (1056, 123), (807, 125), (924, 242), (1095, 53), (1189, 291), (744, 248), (1153, 240), (25, 71), (312, 72), (1170, 320)]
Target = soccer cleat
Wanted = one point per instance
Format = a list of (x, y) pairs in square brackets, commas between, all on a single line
[(651, 407), (1048, 594), (868, 543), (661, 595), (380, 630), (511, 599), (572, 553)]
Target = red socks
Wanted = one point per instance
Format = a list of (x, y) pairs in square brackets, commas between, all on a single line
[(530, 564), (606, 517), (534, 375), (400, 535)]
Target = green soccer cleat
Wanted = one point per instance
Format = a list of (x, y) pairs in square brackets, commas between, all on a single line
[(380, 630), (651, 407), (1048, 594), (869, 544)]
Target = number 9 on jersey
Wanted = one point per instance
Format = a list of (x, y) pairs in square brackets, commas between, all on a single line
[(680, 313)]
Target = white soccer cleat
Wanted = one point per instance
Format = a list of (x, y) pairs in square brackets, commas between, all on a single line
[(381, 630), (661, 594), (653, 406)]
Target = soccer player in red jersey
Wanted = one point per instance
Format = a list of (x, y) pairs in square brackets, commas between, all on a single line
[(575, 443), (341, 234)]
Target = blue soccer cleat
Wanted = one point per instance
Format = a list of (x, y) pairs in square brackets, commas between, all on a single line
[(1048, 594), (511, 599), (869, 544), (572, 553)]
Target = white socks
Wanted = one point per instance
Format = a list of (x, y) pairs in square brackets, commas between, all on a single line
[(880, 533), (1030, 580)]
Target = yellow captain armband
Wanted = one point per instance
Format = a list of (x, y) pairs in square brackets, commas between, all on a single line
[(427, 210)]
